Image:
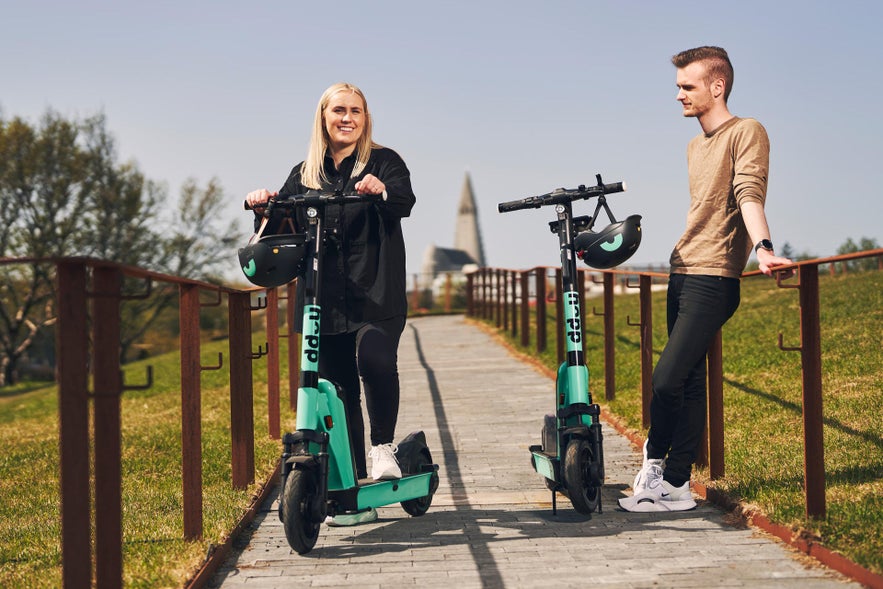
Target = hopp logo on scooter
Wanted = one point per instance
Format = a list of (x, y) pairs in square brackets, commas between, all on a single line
[(574, 325), (311, 328)]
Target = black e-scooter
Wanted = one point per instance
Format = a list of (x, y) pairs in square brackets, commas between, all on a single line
[(571, 455), (318, 470)]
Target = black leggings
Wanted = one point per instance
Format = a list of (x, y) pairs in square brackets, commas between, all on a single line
[(372, 353), (698, 306)]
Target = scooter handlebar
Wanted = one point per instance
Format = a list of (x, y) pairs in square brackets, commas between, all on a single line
[(561, 195), (292, 201), (531, 202)]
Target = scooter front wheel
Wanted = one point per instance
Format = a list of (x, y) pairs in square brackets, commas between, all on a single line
[(298, 496), (583, 494)]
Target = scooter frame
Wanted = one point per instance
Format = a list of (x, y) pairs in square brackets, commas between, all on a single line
[(318, 473), (571, 455)]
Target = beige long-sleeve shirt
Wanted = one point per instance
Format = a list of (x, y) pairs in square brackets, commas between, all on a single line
[(727, 167)]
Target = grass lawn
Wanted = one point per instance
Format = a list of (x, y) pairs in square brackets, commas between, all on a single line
[(154, 553)]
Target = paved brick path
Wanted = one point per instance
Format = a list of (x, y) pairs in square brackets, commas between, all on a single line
[(491, 522)]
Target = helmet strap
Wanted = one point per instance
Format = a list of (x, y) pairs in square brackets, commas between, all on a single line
[(260, 232), (602, 202)]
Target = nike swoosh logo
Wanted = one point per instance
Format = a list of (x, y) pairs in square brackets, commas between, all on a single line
[(665, 495)]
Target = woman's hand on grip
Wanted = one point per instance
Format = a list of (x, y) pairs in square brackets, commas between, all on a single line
[(258, 198)]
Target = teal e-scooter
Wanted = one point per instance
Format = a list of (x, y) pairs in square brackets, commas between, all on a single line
[(571, 454), (318, 473)]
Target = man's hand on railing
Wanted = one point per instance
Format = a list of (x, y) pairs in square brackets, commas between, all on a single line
[(767, 261)]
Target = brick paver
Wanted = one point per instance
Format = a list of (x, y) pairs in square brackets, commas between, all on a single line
[(491, 522)]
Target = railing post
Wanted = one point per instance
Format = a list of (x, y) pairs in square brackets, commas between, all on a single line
[(493, 284), (478, 296), (470, 297), (478, 285), (273, 388), (503, 282), (646, 295), (107, 388), (714, 445), (811, 367), (498, 297), (811, 357), (541, 308), (525, 307), (491, 300), (72, 344), (241, 392), (486, 309), (609, 351), (645, 282), (191, 410)]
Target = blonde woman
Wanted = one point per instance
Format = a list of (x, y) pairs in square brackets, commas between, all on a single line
[(363, 284)]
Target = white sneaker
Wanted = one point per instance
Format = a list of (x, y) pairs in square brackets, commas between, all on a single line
[(352, 519), (660, 496), (384, 465), (651, 470)]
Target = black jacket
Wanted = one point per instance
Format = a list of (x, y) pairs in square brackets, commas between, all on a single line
[(364, 260)]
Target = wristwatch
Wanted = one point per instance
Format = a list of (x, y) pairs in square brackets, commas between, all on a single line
[(765, 244)]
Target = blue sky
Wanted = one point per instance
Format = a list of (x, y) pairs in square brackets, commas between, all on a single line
[(525, 96)]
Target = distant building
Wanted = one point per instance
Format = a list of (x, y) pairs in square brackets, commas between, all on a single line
[(467, 236), (467, 253)]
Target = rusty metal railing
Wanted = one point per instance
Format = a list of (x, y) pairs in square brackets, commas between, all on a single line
[(89, 293), (484, 292)]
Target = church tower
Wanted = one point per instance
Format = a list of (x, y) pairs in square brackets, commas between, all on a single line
[(467, 236)]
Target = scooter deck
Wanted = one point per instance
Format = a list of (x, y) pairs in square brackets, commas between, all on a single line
[(371, 493)]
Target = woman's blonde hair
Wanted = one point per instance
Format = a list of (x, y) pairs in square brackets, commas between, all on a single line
[(312, 173)]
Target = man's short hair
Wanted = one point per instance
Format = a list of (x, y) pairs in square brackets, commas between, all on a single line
[(717, 64)]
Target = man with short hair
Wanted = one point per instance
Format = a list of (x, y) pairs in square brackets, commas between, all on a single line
[(728, 165)]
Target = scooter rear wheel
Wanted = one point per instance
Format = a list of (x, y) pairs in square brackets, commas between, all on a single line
[(420, 505), (584, 496), (298, 497)]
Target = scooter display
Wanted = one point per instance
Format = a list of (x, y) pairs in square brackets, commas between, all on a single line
[(318, 474), (570, 456)]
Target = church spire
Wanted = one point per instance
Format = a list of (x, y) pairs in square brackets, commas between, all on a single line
[(467, 236)]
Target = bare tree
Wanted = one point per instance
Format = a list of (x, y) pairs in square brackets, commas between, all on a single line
[(41, 191), (62, 193), (194, 244)]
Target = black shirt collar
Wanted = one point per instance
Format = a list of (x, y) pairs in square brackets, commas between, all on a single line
[(346, 165)]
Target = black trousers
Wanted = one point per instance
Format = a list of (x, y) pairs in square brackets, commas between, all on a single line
[(372, 354), (697, 307)]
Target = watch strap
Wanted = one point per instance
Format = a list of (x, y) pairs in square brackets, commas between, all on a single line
[(764, 244)]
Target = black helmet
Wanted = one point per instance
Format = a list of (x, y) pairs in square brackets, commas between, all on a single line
[(611, 246), (273, 260)]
